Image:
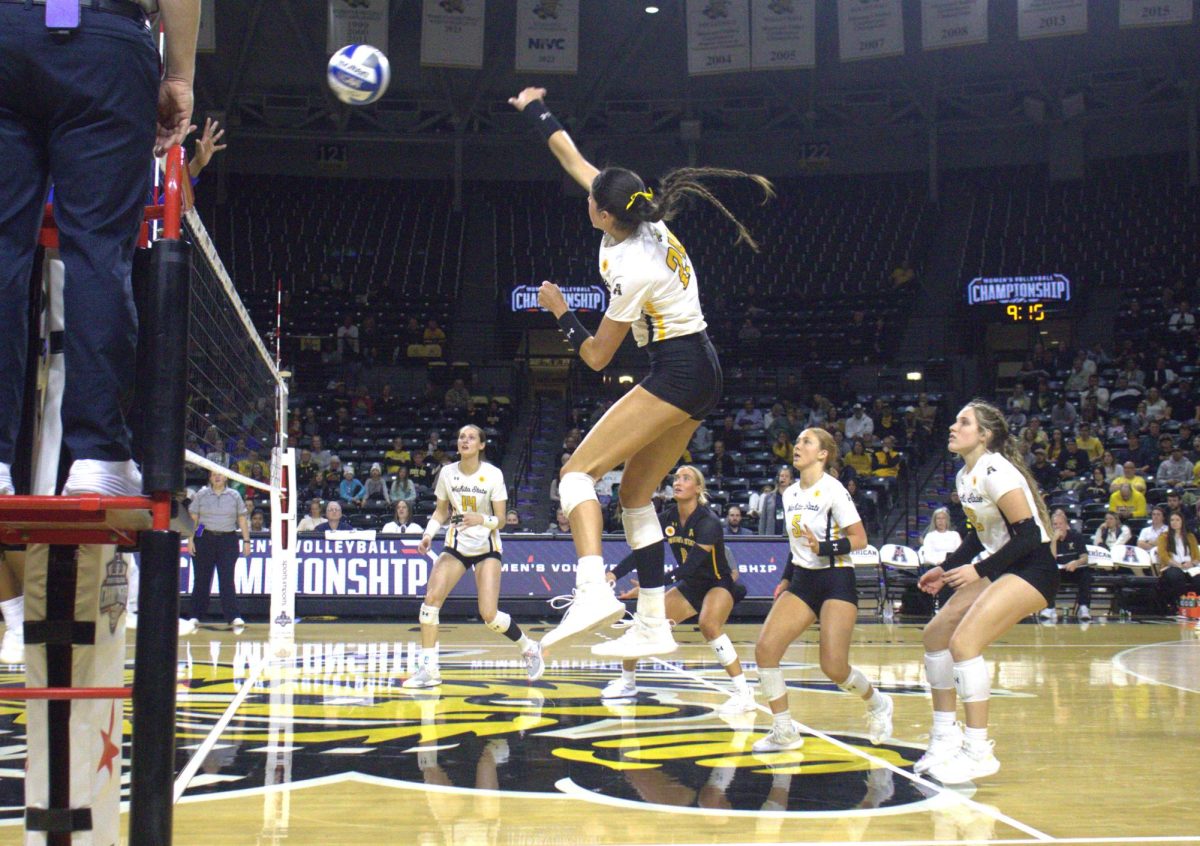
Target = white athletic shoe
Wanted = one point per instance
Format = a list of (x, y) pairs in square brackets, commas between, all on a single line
[(971, 762), (131, 621), (738, 703), (424, 677), (588, 607), (780, 739), (534, 665), (1048, 616), (1085, 614), (107, 478), (618, 688), (6, 485), (12, 648), (186, 626), (942, 745), (644, 638), (238, 623), (879, 720)]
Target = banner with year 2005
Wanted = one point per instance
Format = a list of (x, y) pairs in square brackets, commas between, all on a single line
[(783, 35), (718, 33), (452, 33), (1049, 18), (870, 29), (953, 23), (548, 36), (358, 22), (1137, 13)]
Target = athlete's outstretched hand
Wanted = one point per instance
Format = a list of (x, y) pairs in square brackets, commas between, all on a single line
[(526, 97), (550, 297), (423, 546), (932, 581)]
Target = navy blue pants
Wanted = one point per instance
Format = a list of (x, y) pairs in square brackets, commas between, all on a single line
[(220, 553), (78, 110)]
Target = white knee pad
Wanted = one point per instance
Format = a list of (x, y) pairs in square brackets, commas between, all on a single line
[(939, 670), (642, 528), (971, 680), (500, 623), (770, 679), (856, 683), (722, 647), (575, 488), (428, 615)]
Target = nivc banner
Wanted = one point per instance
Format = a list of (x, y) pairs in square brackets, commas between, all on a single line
[(452, 33), (718, 33), (1047, 18), (783, 34), (537, 566), (548, 36), (953, 23), (358, 22), (1156, 12), (870, 29)]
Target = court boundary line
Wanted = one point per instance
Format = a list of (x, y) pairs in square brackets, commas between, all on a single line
[(987, 810), (1118, 662)]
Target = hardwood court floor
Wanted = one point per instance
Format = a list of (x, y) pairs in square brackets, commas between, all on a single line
[(1096, 730)]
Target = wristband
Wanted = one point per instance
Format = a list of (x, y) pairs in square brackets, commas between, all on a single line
[(541, 118), (573, 330), (826, 548), (492, 522), (432, 527)]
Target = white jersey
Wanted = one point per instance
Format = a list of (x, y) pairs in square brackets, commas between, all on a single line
[(651, 284), (826, 509), (472, 494), (980, 491)]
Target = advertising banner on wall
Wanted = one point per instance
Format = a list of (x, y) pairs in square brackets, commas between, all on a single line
[(953, 23), (358, 22), (1049, 18), (1156, 12)]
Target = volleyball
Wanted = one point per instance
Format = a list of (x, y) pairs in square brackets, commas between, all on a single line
[(358, 74)]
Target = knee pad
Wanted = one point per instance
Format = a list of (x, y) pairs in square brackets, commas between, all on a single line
[(770, 679), (428, 615), (575, 488), (642, 528), (971, 680), (500, 623), (856, 683), (722, 647), (939, 670)]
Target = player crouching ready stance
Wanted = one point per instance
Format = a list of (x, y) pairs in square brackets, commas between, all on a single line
[(471, 493), (823, 527)]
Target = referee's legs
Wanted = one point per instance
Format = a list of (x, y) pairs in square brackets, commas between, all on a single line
[(203, 561), (227, 556)]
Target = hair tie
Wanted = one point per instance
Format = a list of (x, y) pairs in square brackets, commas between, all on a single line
[(648, 194)]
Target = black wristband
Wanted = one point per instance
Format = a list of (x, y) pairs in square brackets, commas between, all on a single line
[(827, 548), (573, 330), (541, 118)]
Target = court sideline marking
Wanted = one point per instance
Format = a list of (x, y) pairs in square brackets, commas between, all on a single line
[(1118, 661)]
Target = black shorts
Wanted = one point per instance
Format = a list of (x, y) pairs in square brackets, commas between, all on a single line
[(686, 373), (1041, 571), (694, 590), (816, 586), (470, 561)]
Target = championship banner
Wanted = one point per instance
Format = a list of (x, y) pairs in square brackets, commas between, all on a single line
[(1161, 13), (452, 33), (206, 35), (783, 34), (953, 23), (358, 22), (870, 29), (548, 36), (1048, 18), (718, 33)]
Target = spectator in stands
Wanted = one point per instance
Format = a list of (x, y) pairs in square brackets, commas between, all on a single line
[(1136, 455), (561, 525), (749, 334), (330, 487), (440, 462), (770, 507), (1062, 414), (368, 341), (1073, 465), (940, 539), (258, 520), (433, 333), (351, 489), (312, 519), (457, 396), (347, 339), (885, 461), (1174, 501), (1156, 406), (858, 424), (1095, 489), (722, 464), (702, 438), (1133, 375), (1077, 379), (387, 403), (1110, 466), (1125, 396), (375, 487), (733, 522), (306, 468), (335, 465), (858, 459), (1175, 470), (402, 486), (1095, 391), (252, 460), (1182, 323), (1165, 444), (1045, 473), (1070, 551), (749, 417), (730, 434), (513, 524), (1148, 537), (607, 485), (1111, 532), (1177, 554), (1055, 451), (1162, 376), (312, 426), (343, 423), (1127, 502), (1019, 400), (334, 520), (402, 521), (363, 404), (1089, 443), (1034, 434), (889, 424), (782, 448), (397, 456), (862, 501)]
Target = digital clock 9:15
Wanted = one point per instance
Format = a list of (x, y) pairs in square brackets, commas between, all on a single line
[(1019, 313)]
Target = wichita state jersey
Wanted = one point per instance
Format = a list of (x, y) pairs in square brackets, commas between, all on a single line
[(980, 491), (473, 494), (703, 528), (826, 509), (651, 284)]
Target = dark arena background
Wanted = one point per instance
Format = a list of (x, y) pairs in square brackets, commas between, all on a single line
[(973, 199)]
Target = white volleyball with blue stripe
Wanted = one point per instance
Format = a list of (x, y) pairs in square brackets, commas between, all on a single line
[(358, 74)]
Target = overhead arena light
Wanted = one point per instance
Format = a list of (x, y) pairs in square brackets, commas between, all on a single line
[(914, 376), (651, 10)]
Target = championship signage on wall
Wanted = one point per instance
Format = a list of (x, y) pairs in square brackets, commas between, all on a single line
[(592, 298), (1156, 12), (953, 23), (870, 29), (718, 33), (358, 22), (548, 36), (1047, 18), (783, 34), (452, 33)]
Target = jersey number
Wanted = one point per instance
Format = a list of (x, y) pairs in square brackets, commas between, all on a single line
[(469, 504), (797, 526), (677, 260)]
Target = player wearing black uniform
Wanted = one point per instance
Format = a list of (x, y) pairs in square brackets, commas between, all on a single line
[(705, 584)]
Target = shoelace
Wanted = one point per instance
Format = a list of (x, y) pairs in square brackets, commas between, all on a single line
[(563, 600), (636, 620)]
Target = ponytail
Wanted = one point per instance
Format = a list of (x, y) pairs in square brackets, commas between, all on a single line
[(989, 417)]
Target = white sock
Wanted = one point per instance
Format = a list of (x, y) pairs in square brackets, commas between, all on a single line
[(590, 570), (629, 676), (943, 721), (781, 781), (524, 644), (783, 720), (429, 656), (739, 683), (652, 603), (974, 736), (876, 702), (14, 612)]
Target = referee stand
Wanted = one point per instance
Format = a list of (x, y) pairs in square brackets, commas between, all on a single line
[(76, 584)]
